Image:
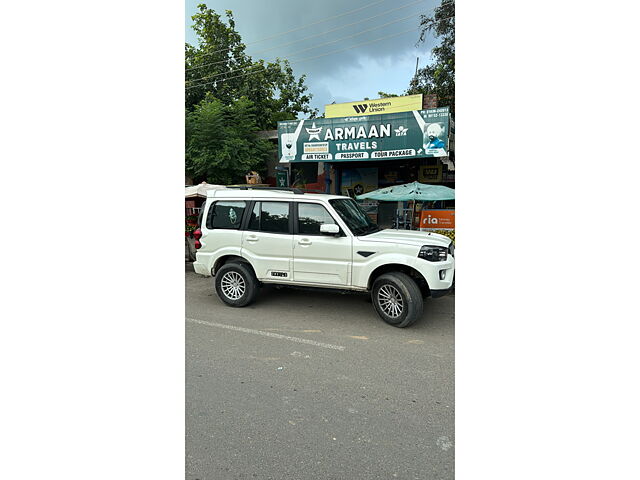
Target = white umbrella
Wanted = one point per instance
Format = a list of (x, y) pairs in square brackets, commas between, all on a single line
[(200, 190)]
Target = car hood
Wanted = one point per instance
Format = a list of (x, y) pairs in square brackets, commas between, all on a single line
[(407, 237)]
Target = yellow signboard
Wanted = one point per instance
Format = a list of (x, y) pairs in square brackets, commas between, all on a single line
[(374, 107)]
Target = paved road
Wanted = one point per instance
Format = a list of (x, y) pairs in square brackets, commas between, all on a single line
[(312, 385)]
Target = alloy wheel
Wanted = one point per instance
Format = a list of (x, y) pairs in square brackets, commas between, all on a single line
[(233, 285), (390, 301)]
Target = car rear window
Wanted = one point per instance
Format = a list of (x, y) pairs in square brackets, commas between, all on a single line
[(226, 215)]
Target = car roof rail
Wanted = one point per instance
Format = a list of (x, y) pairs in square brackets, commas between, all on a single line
[(285, 189)]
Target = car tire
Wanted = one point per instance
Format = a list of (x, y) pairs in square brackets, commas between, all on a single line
[(236, 284), (397, 299)]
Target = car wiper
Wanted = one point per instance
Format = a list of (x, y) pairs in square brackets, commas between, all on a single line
[(370, 229)]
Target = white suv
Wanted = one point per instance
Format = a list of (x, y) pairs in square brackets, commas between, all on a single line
[(252, 236)]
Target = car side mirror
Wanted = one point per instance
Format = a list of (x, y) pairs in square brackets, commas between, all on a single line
[(329, 229)]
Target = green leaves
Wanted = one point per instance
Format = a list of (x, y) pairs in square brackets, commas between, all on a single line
[(221, 141), (229, 97), (440, 77), (220, 66)]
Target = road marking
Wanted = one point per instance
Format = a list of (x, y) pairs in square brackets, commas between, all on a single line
[(268, 334)]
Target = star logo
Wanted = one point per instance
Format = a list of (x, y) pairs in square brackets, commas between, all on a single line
[(314, 132)]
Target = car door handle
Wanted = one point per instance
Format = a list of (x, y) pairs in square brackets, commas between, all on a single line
[(252, 238), (304, 242)]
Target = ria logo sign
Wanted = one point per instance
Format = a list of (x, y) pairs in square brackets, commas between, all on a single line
[(360, 108)]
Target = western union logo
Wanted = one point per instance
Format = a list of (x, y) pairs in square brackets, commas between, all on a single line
[(374, 107)]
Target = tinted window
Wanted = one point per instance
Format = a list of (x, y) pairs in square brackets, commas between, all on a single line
[(274, 217), (270, 217), (310, 217), (225, 215), (254, 220)]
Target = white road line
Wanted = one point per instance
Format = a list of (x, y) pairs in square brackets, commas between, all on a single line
[(268, 334)]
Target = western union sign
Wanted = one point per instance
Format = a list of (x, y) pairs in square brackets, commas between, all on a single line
[(374, 107)]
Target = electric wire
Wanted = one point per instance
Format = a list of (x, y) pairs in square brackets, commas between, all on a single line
[(257, 68), (307, 25), (309, 48), (310, 36), (309, 58)]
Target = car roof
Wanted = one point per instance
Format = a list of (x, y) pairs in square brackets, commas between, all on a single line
[(251, 193)]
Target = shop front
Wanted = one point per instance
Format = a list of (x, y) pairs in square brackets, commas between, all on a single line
[(367, 152)]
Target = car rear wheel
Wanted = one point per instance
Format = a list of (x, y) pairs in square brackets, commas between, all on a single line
[(236, 284), (397, 299)]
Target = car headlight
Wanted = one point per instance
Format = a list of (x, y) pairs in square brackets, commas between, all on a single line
[(433, 253)]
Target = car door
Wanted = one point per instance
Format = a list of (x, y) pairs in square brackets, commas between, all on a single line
[(319, 258), (267, 240)]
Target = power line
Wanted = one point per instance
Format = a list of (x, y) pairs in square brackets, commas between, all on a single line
[(311, 36), (311, 48), (256, 68), (310, 58), (307, 25)]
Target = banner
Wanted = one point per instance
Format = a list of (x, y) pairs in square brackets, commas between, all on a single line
[(378, 106), (419, 133), (437, 220)]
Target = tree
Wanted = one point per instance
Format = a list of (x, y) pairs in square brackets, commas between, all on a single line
[(221, 141), (439, 77), (219, 66), (386, 95)]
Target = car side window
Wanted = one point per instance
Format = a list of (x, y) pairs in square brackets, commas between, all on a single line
[(311, 216), (225, 215), (254, 219), (270, 217)]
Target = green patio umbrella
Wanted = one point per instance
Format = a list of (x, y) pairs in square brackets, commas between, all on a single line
[(410, 191)]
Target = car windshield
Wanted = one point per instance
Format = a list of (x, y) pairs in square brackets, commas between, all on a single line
[(350, 212)]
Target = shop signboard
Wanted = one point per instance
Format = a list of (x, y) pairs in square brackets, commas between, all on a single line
[(378, 106), (281, 179), (437, 220), (430, 173), (418, 133)]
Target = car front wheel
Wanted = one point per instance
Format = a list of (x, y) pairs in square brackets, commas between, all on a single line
[(397, 299)]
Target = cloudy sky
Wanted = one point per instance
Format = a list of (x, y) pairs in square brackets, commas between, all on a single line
[(349, 75)]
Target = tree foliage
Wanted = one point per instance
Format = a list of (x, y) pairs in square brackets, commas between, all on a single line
[(229, 97), (439, 77), (219, 66), (222, 145)]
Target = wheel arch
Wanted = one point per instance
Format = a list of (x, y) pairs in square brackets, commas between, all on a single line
[(406, 269), (223, 260)]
